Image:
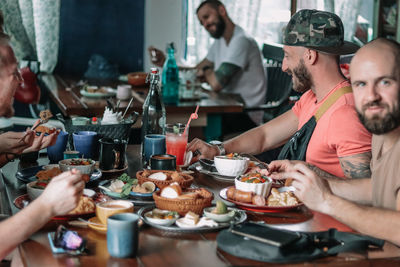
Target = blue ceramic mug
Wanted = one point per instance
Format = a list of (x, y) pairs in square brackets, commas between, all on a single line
[(154, 144), (56, 151), (123, 235), (86, 143)]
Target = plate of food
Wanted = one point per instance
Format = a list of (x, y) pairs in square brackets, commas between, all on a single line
[(98, 91), (85, 207), (46, 172), (208, 167), (190, 223), (125, 187), (275, 201)]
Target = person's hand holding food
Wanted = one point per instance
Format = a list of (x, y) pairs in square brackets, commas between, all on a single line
[(16, 142), (62, 194), (312, 190)]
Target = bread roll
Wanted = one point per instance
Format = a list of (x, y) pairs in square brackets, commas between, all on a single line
[(171, 191)]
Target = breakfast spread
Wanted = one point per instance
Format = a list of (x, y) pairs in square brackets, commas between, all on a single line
[(110, 117)]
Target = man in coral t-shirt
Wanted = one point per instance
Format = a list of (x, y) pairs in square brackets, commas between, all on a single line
[(340, 145)]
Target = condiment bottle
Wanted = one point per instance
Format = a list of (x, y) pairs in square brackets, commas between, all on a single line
[(154, 116)]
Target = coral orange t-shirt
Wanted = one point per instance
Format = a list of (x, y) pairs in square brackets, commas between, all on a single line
[(338, 133)]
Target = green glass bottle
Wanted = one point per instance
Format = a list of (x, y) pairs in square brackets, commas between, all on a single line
[(170, 78)]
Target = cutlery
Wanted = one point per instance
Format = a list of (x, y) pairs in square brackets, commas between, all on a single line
[(92, 223), (286, 189), (127, 107), (104, 188)]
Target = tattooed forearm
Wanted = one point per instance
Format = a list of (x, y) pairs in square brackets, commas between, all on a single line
[(225, 73), (356, 166)]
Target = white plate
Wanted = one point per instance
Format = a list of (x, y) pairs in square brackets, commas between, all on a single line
[(109, 92), (181, 223)]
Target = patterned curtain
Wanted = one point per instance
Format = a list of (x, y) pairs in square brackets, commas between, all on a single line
[(34, 29)]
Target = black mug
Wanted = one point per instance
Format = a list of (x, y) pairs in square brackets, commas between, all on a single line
[(163, 162), (112, 154)]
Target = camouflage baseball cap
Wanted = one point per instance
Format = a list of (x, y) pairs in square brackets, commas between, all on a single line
[(319, 30)]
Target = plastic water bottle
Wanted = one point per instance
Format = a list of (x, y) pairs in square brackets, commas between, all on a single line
[(170, 78), (153, 116)]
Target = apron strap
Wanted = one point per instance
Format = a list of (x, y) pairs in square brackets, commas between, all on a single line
[(331, 100)]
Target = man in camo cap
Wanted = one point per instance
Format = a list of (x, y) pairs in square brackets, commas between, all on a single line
[(318, 30), (339, 145)]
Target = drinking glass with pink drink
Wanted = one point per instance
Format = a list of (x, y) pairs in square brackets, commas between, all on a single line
[(176, 141)]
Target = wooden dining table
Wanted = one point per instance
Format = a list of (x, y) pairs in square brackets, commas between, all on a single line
[(164, 248), (65, 93)]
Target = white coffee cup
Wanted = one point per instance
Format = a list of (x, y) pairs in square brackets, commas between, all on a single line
[(124, 92)]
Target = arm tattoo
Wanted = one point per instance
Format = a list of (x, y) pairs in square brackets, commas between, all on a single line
[(225, 73), (356, 166)]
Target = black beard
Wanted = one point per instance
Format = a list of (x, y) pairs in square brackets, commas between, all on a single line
[(377, 125), (219, 29), (303, 77)]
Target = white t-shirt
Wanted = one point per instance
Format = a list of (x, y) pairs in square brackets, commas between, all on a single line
[(250, 81)]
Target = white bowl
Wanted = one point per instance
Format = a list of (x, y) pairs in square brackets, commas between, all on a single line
[(164, 222), (33, 192), (226, 217), (261, 189), (65, 165), (231, 166)]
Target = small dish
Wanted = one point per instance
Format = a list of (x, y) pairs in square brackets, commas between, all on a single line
[(32, 191), (97, 225), (89, 192), (226, 217), (231, 166), (164, 222)]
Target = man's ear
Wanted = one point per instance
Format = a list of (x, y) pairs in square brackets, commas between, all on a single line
[(222, 10), (310, 56)]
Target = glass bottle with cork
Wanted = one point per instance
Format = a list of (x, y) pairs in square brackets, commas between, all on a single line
[(153, 116), (170, 77)]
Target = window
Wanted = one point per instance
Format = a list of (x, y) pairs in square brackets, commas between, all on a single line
[(262, 19), (265, 20)]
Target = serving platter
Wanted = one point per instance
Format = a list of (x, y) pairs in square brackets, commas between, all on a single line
[(109, 92), (240, 216), (28, 175), (256, 208)]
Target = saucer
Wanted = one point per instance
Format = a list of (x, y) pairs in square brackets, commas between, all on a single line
[(102, 229)]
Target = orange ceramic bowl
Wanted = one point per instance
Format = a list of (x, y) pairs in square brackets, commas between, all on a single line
[(137, 78)]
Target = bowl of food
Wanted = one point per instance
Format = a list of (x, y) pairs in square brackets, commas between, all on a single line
[(34, 189), (173, 198), (219, 213), (254, 182), (231, 164), (137, 78), (161, 217), (85, 166)]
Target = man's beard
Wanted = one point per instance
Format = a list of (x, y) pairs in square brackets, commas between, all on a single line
[(304, 80), (378, 125), (219, 28)]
